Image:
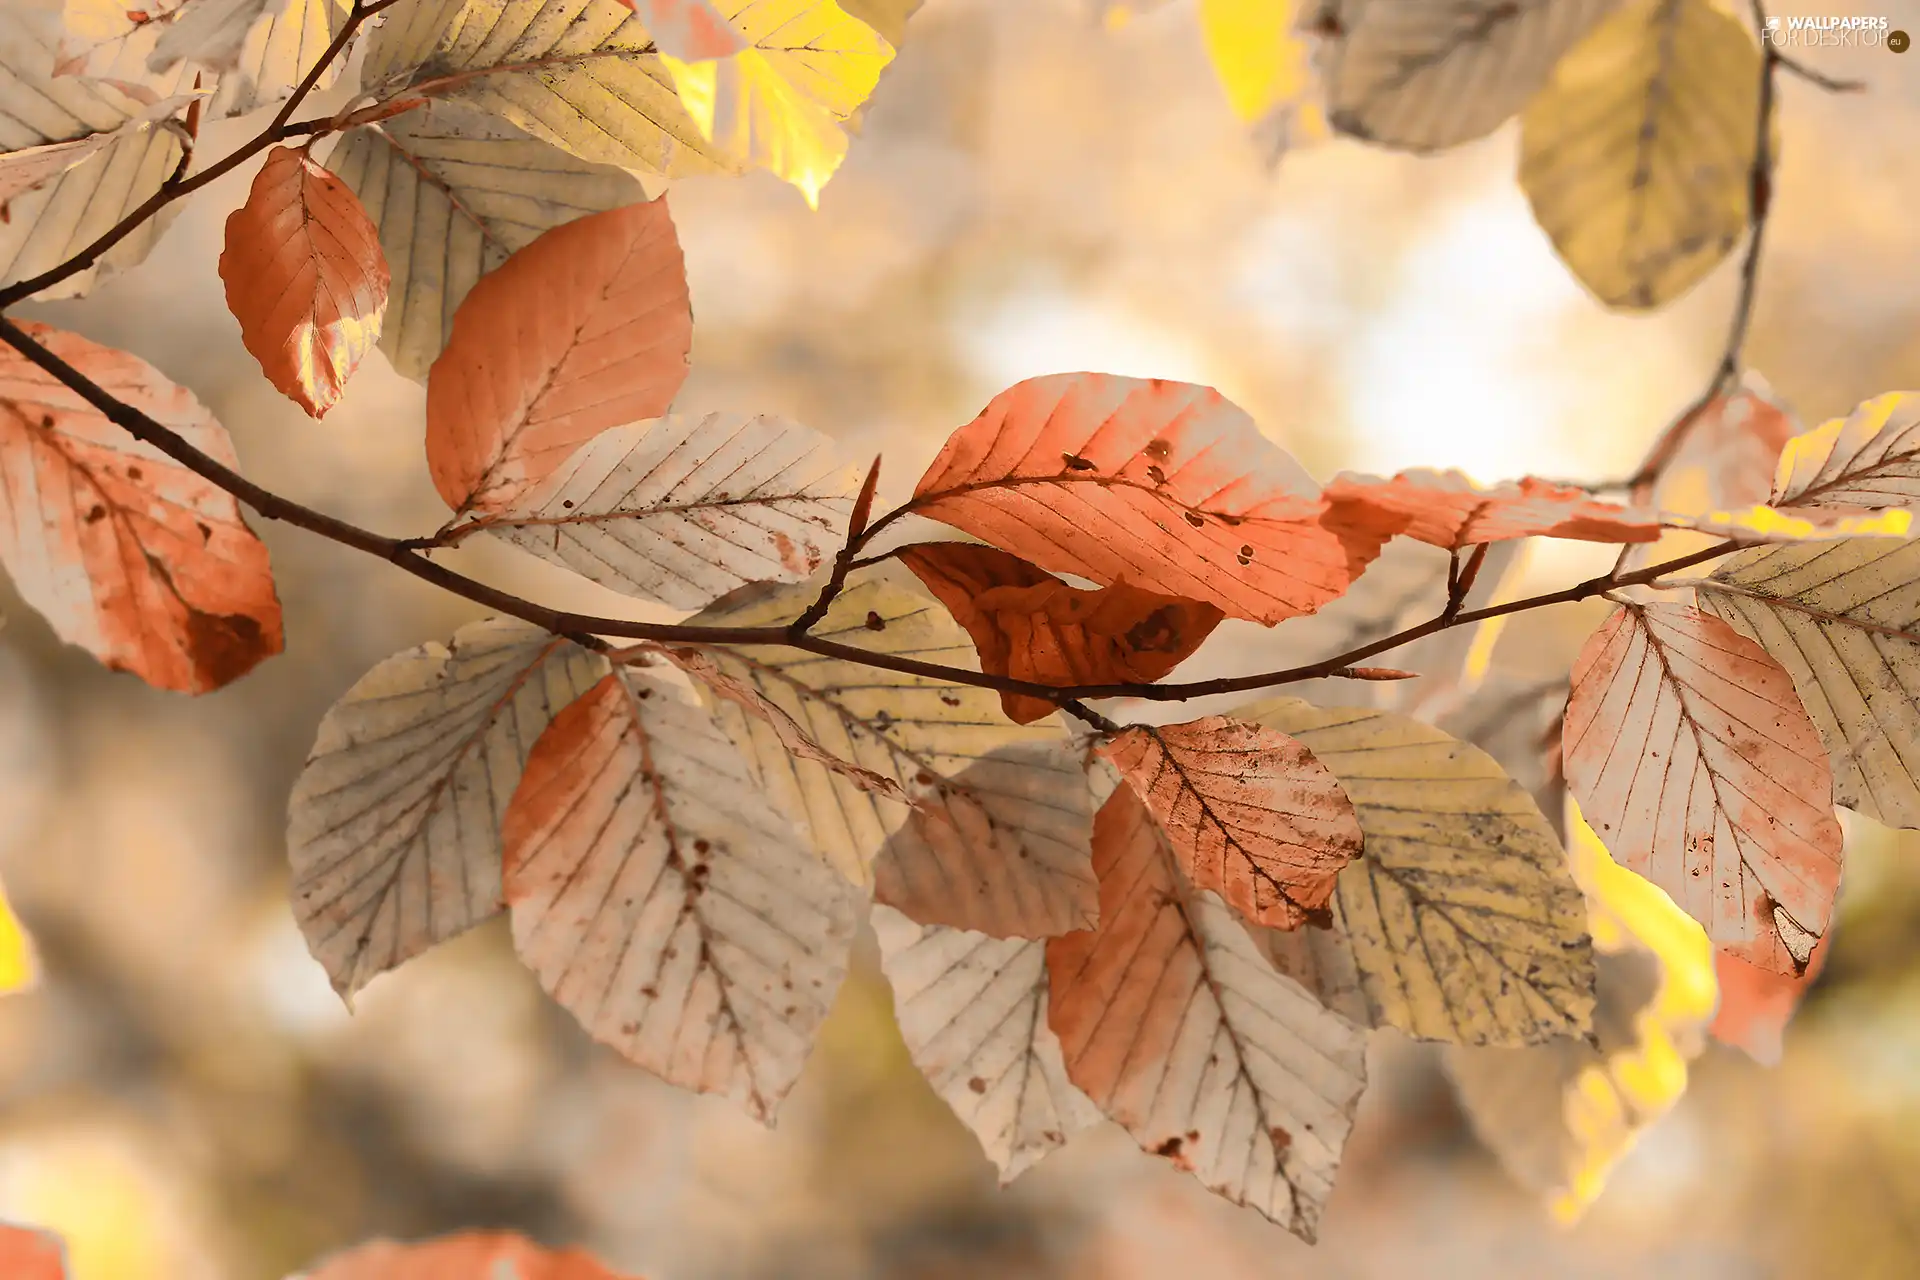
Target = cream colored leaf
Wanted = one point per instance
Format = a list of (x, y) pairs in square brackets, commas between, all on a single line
[(1637, 155), (683, 509), (1868, 460), (455, 192), (394, 825), (973, 1012), (1212, 1060), (1461, 920), (207, 33), (581, 75), (1422, 76), (1843, 619), (665, 902), (997, 840)]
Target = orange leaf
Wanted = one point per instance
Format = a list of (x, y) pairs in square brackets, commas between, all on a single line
[(28, 1253), (1447, 510), (127, 553), (305, 278), (1251, 813), (472, 1255), (1028, 624), (1756, 1004), (1732, 447), (690, 30), (586, 328), (1178, 1029), (1166, 485), (1696, 764)]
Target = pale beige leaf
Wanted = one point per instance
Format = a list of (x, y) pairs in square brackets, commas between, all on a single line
[(1869, 460), (207, 33), (973, 1012), (1210, 1058), (1637, 155), (455, 192), (997, 840), (664, 901), (1461, 920), (1843, 619), (1696, 764), (394, 825), (1423, 76), (683, 509)]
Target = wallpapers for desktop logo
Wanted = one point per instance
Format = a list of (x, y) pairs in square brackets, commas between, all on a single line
[(1834, 32)]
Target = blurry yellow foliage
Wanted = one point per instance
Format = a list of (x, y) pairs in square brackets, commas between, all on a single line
[(91, 1191), (18, 969), (1775, 525), (1261, 63)]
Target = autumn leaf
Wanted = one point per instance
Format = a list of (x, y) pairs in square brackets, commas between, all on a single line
[(19, 967), (692, 30), (24, 168), (1727, 459), (1756, 1004), (1694, 760), (666, 903), (1843, 620), (28, 1253), (470, 1255), (1643, 188), (1261, 63), (1461, 920), (455, 192), (684, 509), (1447, 510), (305, 278), (995, 838), (973, 1013), (1029, 625), (393, 828), (1231, 1071), (1249, 812), (209, 33), (125, 552), (1869, 460), (1163, 484), (585, 329)]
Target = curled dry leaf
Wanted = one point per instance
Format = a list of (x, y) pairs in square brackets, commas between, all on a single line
[(1223, 1066), (660, 896), (471, 1255), (684, 509), (588, 327), (1028, 624), (1163, 484), (1756, 1004), (305, 278), (1696, 764), (393, 829), (995, 838), (973, 1013), (1249, 811), (1643, 189), (1727, 459), (129, 555), (27, 1253), (1869, 460), (24, 168), (1446, 510)]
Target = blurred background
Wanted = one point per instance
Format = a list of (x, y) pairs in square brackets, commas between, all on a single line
[(1034, 191)]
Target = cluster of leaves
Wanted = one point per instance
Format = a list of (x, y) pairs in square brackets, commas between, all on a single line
[(1188, 928)]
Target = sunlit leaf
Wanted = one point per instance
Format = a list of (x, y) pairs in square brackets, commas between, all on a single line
[(1727, 458), (1261, 63), (689, 29), (19, 967), (1446, 510), (471, 1255), (1868, 460), (1756, 1005)]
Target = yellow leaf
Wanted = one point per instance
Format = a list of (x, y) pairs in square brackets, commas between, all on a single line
[(1774, 524), (19, 969), (781, 103), (1259, 60), (1870, 459)]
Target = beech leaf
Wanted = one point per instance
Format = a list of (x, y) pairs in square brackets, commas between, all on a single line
[(1869, 460), (393, 829), (305, 278), (1728, 457), (28, 1253), (665, 902), (691, 30), (588, 327), (1260, 62), (1756, 1004), (1214, 1061), (1447, 510), (1696, 764), (1163, 484), (469, 1255), (1029, 625)]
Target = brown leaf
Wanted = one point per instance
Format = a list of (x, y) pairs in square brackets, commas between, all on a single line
[(586, 328), (1028, 624), (27, 1253), (1251, 813), (128, 554), (305, 278), (1165, 485), (1447, 510), (471, 1255), (1695, 762), (1756, 1004)]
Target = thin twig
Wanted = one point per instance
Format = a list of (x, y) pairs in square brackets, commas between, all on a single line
[(843, 562), (1831, 84)]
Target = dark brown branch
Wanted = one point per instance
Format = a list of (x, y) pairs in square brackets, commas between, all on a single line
[(1831, 84), (843, 562)]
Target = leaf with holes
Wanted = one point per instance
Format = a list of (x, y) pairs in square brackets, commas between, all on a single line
[(126, 553), (1217, 1062), (684, 509), (1695, 762), (973, 1013), (469, 1255), (1869, 460), (305, 278), (1251, 814), (996, 837), (1028, 624), (586, 328), (394, 825), (1446, 510), (666, 903), (1163, 484)]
